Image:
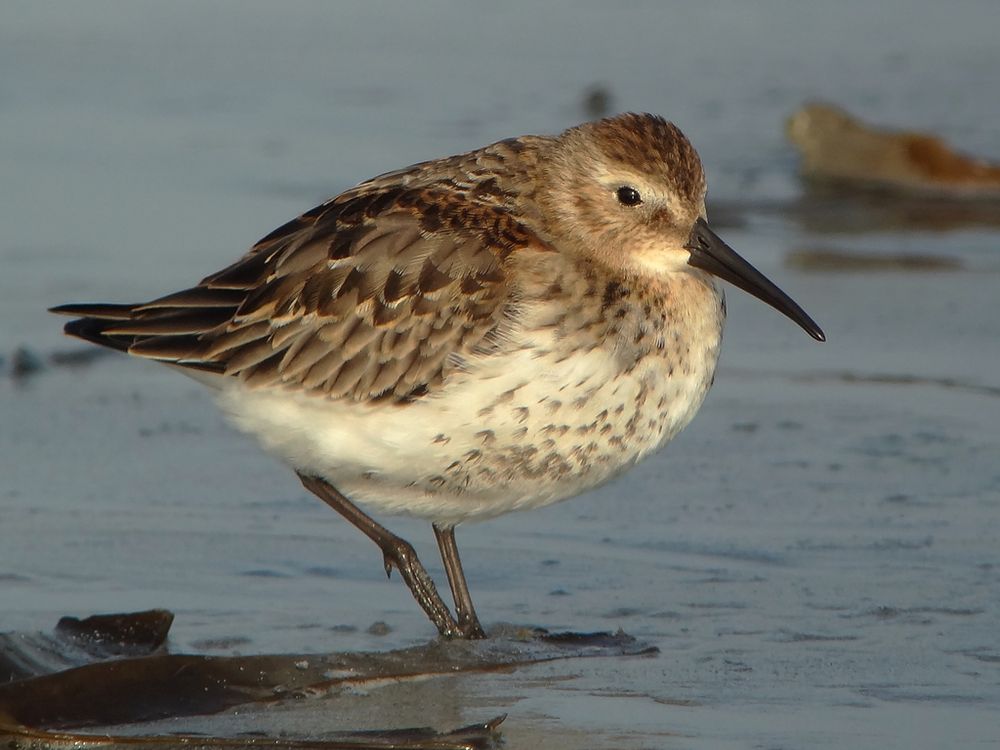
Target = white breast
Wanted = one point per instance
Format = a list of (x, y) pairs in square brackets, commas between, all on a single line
[(522, 429)]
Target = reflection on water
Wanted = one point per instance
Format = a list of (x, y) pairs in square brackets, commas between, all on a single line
[(869, 378), (827, 208), (831, 208), (829, 259)]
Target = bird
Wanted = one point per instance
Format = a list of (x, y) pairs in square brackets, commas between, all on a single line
[(473, 335)]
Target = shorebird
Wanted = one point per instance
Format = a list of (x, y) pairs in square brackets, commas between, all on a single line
[(465, 337)]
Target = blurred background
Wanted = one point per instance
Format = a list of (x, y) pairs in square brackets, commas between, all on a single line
[(816, 556)]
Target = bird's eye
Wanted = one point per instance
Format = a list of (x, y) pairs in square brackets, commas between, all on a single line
[(628, 196)]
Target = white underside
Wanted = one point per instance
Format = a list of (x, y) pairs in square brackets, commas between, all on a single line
[(451, 457)]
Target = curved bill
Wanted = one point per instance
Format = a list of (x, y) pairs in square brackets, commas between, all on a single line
[(710, 253)]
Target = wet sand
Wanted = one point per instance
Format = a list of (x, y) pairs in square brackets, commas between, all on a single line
[(817, 557)]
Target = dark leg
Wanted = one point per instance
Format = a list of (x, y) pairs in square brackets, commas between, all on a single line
[(468, 623), (398, 554)]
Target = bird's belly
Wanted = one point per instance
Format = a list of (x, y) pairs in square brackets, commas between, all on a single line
[(527, 430)]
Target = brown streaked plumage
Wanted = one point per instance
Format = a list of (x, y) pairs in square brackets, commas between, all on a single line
[(483, 333)]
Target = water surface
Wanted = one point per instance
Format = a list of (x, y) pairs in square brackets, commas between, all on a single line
[(816, 556)]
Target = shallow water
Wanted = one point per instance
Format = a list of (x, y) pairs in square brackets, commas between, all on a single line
[(817, 556)]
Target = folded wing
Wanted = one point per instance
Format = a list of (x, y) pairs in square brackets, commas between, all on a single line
[(377, 293)]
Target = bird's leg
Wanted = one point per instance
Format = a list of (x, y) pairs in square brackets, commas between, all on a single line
[(398, 554), (468, 623)]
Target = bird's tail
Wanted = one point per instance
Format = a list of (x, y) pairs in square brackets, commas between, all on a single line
[(169, 329), (94, 320)]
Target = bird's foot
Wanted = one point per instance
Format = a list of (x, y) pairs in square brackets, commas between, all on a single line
[(399, 554), (470, 627)]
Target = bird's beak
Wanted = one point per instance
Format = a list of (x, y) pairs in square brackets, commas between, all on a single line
[(710, 253)]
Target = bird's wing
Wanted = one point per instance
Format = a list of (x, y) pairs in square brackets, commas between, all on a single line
[(380, 292)]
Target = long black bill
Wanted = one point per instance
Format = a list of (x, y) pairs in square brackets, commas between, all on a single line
[(710, 253)]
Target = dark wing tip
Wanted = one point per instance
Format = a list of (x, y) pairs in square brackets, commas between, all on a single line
[(94, 319), (92, 330), (166, 329), (102, 310)]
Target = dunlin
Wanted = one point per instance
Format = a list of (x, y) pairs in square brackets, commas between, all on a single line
[(483, 333), (838, 148)]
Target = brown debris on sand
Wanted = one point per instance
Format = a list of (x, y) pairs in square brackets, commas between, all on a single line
[(67, 690), (837, 147)]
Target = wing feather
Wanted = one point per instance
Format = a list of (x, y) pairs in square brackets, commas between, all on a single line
[(378, 293)]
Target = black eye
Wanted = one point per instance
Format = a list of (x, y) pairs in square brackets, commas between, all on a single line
[(628, 196)]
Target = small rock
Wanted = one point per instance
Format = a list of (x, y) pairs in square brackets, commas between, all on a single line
[(597, 101), (24, 363)]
